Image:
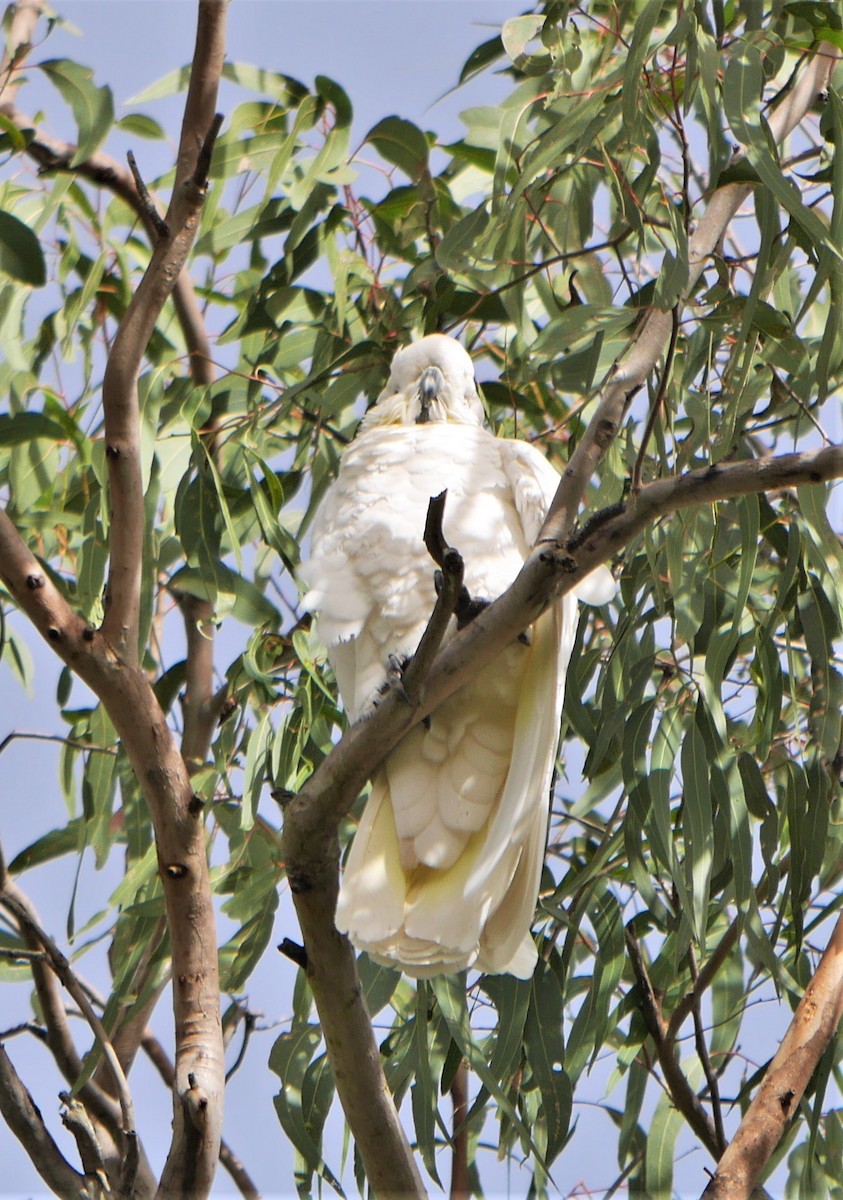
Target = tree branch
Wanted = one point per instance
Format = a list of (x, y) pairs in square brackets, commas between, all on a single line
[(100, 1105), (703, 1056), (449, 583), (546, 575), (120, 395), (347, 1028), (108, 664), (703, 980), (22, 1115), (180, 839), (681, 1092), (814, 1024), (239, 1175), (631, 369), (63, 970), (309, 841)]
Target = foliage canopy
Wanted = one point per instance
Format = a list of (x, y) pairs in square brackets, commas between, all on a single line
[(697, 866)]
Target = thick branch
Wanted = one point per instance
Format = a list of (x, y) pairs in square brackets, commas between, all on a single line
[(180, 840), (239, 1175), (310, 819), (347, 1028), (813, 1026), (120, 396), (630, 371)]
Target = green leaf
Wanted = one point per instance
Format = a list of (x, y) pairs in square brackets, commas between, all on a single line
[(698, 826), (378, 983), (317, 1094), (818, 13), (516, 35), (289, 1059), (590, 1027), (639, 49), (25, 427), (450, 996), (93, 107), (70, 839), (665, 1126), (742, 89), (99, 782), (239, 956), (243, 599), (546, 1055), (141, 125), (21, 255), (255, 773), (423, 1090), (481, 57), (402, 143)]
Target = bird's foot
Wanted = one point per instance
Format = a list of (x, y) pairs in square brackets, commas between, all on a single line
[(395, 676), (468, 607)]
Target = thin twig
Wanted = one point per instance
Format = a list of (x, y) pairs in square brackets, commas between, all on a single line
[(703, 980), (657, 405), (20, 735), (681, 1092), (152, 214), (703, 1055), (65, 973)]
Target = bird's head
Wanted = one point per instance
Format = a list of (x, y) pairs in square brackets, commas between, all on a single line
[(430, 380)]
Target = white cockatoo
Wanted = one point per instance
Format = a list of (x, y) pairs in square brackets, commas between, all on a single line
[(444, 870)]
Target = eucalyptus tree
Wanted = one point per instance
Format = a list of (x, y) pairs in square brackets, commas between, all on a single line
[(640, 246)]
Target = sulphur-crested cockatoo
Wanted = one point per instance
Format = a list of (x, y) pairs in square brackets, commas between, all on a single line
[(444, 870)]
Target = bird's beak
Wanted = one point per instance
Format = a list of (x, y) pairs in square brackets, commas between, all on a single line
[(431, 386)]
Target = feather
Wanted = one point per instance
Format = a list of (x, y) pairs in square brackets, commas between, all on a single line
[(444, 870)]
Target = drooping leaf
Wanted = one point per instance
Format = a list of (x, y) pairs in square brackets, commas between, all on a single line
[(21, 255), (92, 106)]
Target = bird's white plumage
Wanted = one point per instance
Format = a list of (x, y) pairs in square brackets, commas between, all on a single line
[(444, 870)]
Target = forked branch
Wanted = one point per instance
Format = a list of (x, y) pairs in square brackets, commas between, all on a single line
[(108, 660), (309, 837)]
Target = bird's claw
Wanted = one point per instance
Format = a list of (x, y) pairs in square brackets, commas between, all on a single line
[(395, 677), (468, 607)]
